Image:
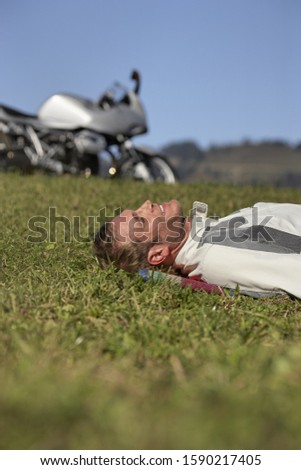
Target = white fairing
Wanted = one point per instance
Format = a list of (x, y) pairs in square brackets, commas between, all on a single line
[(64, 111)]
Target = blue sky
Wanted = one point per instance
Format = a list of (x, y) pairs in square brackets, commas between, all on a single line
[(213, 71)]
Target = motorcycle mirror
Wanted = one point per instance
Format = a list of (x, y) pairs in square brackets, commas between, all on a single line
[(136, 76)]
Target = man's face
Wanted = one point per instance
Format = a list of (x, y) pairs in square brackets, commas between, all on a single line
[(160, 222)]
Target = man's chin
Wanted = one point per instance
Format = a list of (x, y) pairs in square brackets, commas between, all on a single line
[(175, 208)]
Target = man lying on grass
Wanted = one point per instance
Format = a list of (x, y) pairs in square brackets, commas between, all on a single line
[(256, 250)]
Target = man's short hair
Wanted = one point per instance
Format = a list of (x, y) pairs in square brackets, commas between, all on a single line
[(130, 256)]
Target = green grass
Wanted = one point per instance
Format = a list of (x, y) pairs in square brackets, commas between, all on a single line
[(92, 359)]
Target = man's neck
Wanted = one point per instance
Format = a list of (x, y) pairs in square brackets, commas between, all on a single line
[(187, 229)]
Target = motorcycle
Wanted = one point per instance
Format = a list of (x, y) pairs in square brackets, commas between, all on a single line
[(71, 134)]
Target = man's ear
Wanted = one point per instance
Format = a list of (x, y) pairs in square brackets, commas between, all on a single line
[(158, 254)]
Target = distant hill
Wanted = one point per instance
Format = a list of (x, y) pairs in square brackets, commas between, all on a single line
[(185, 157), (269, 162)]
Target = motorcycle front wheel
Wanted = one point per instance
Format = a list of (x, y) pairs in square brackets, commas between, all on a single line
[(150, 168)]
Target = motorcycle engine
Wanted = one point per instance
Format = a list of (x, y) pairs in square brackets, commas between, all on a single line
[(89, 142)]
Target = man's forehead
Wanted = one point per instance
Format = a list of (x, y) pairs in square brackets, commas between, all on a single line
[(128, 226), (123, 217), (120, 225)]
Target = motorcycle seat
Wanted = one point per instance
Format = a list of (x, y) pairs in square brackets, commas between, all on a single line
[(15, 113)]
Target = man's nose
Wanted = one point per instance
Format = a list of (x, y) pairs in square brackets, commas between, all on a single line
[(146, 205)]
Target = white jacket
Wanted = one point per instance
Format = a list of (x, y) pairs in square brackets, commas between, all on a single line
[(256, 249)]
